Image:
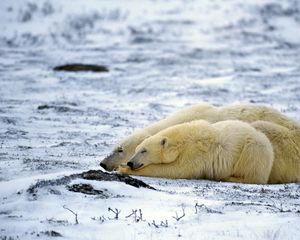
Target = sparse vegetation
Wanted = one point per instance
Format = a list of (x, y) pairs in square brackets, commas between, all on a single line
[(137, 215), (205, 208), (177, 217), (74, 213), (116, 211)]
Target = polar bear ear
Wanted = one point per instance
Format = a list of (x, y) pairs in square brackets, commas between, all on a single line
[(164, 142)]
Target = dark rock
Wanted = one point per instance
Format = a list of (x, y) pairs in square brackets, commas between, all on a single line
[(81, 67), (42, 107), (103, 176), (97, 175), (60, 109)]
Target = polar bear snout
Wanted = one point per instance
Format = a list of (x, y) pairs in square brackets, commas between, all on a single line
[(103, 165), (134, 165), (110, 163), (130, 164), (136, 162)]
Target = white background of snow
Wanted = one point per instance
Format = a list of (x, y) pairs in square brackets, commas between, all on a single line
[(162, 56)]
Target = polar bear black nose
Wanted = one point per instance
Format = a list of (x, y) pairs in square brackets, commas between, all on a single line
[(103, 165), (130, 164)]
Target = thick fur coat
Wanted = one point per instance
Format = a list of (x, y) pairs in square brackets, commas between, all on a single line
[(230, 150), (244, 112)]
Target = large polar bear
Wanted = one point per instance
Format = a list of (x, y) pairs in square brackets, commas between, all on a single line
[(224, 151), (244, 112), (286, 147)]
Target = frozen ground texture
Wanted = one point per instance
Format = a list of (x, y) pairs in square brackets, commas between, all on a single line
[(162, 55)]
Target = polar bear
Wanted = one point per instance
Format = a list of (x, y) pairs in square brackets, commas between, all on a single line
[(245, 112), (286, 147), (230, 150)]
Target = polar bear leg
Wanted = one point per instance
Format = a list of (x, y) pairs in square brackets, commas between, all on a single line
[(234, 179), (170, 170), (255, 162), (286, 167)]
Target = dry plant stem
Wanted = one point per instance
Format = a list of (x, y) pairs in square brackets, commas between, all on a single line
[(116, 212), (209, 210), (177, 218), (75, 214)]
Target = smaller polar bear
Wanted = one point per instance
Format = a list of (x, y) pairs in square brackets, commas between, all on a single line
[(230, 150)]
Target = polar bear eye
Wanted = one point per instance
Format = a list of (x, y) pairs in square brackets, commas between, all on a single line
[(144, 150), (120, 150)]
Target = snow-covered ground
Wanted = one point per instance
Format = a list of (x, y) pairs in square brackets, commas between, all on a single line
[(162, 56)]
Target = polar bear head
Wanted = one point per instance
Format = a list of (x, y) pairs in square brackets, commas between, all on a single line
[(157, 149), (172, 143), (123, 151)]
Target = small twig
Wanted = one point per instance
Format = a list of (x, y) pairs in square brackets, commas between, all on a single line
[(116, 212), (280, 209), (137, 218), (75, 214), (164, 224), (140, 216), (154, 224), (208, 210), (100, 219), (177, 218), (273, 207), (196, 208), (133, 213)]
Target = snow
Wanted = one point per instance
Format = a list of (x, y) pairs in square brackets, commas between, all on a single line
[(29, 218), (162, 56)]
